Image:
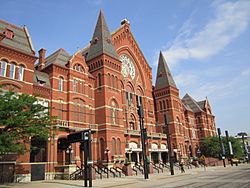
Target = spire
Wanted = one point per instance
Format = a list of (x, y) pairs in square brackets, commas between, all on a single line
[(101, 41), (164, 77)]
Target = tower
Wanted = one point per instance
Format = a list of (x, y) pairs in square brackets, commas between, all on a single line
[(105, 66), (167, 101)]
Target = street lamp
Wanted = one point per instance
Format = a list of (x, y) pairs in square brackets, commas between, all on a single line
[(107, 154), (171, 162), (69, 151)]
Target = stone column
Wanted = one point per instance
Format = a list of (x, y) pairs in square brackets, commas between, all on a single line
[(138, 157), (159, 156), (149, 156)]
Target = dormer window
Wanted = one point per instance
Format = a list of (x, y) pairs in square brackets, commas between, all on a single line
[(9, 34)]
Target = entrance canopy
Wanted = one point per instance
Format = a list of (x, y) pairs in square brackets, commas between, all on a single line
[(132, 146)]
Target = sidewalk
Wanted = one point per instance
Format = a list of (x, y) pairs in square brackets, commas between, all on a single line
[(125, 182)]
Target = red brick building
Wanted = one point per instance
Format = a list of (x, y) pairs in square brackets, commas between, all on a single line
[(99, 88)]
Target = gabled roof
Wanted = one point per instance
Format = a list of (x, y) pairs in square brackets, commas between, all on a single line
[(202, 104), (187, 107), (41, 78), (101, 42), (60, 57), (21, 40), (164, 77), (189, 101)]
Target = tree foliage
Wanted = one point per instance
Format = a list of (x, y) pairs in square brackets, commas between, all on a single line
[(211, 147), (21, 118)]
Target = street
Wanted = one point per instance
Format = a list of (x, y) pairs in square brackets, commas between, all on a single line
[(235, 177)]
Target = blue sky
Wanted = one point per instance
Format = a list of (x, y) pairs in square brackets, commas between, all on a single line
[(206, 43)]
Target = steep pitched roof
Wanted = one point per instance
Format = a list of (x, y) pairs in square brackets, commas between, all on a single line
[(21, 40), (101, 41), (187, 107), (164, 77), (202, 104), (60, 57), (188, 100)]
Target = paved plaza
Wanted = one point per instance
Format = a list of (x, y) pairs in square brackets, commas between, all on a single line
[(235, 177)]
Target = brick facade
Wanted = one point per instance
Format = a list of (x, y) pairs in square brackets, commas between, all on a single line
[(99, 88)]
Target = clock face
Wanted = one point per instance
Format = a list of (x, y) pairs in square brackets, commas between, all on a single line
[(128, 67)]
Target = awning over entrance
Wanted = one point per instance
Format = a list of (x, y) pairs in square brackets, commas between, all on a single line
[(155, 148), (133, 146)]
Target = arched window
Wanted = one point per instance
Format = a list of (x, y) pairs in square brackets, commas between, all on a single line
[(160, 105), (20, 72), (132, 123), (74, 85), (167, 104), (101, 148), (60, 110), (61, 84), (164, 105), (113, 149), (116, 82), (79, 113), (112, 81), (81, 110), (178, 125), (99, 80), (83, 87), (118, 146), (3, 68), (109, 80), (12, 71), (90, 92), (114, 112)]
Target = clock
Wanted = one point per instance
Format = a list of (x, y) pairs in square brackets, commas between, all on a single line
[(128, 67)]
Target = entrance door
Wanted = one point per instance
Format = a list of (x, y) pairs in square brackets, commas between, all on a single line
[(164, 157), (155, 157), (37, 172), (38, 154)]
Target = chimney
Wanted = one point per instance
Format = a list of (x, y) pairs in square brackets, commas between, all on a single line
[(41, 63)]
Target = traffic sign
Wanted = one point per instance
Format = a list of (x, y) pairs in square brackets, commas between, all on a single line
[(203, 157), (78, 136)]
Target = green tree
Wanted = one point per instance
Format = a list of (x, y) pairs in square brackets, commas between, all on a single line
[(21, 118), (211, 147)]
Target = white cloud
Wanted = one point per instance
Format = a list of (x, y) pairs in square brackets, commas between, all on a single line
[(185, 80), (230, 21), (246, 72)]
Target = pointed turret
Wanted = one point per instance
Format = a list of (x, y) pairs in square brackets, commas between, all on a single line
[(164, 77), (101, 42)]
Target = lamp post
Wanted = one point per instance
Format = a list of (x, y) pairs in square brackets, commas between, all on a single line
[(169, 145), (69, 151), (143, 141), (107, 154)]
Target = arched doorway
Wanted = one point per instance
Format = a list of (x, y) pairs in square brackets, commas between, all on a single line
[(62, 155), (38, 155)]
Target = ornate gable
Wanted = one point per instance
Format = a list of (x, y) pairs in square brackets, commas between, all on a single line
[(125, 42)]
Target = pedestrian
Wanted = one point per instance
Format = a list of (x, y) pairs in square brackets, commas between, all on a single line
[(182, 166)]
